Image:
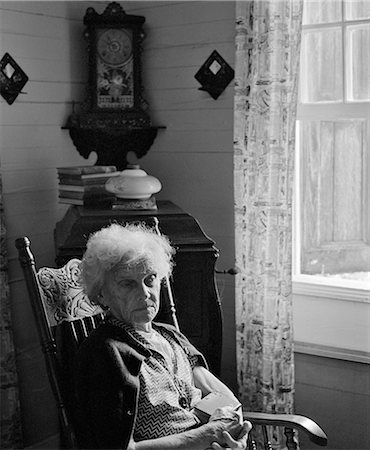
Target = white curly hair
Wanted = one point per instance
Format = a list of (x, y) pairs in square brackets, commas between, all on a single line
[(130, 245)]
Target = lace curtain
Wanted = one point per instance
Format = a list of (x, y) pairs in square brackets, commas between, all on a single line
[(11, 433), (267, 61)]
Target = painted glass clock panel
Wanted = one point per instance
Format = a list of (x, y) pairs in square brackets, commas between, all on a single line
[(115, 68)]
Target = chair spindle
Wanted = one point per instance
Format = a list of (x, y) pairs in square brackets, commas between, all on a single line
[(291, 440), (266, 441)]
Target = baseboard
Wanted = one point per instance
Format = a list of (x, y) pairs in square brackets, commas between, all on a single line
[(332, 352)]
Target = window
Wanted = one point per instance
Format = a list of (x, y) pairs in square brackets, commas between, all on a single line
[(332, 198)]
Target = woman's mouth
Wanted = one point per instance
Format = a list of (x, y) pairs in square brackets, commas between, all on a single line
[(145, 307)]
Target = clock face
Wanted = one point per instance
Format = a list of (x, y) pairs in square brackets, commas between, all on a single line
[(114, 46), (114, 69)]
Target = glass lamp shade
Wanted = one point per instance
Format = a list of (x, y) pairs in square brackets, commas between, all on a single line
[(133, 183)]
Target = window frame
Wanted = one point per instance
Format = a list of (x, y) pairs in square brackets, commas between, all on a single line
[(335, 110)]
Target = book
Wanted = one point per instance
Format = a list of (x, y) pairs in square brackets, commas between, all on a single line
[(71, 201), (86, 196), (86, 170), (105, 204), (86, 180), (208, 405), (89, 189), (91, 176)]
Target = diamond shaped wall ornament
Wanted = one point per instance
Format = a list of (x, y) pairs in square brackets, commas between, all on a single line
[(12, 79), (214, 75)]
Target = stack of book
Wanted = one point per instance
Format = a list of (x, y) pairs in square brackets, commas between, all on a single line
[(85, 185)]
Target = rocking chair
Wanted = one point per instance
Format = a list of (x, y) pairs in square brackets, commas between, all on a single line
[(62, 310)]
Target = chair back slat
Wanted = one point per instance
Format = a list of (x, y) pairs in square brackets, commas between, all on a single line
[(74, 332), (89, 325), (79, 330), (97, 319), (84, 329)]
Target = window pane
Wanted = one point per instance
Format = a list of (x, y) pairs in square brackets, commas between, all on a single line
[(347, 181), (321, 66), (358, 62), (333, 194), (322, 11), (357, 9)]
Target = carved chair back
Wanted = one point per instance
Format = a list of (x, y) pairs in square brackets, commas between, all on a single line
[(64, 299)]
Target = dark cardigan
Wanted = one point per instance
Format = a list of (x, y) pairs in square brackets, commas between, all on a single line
[(107, 385)]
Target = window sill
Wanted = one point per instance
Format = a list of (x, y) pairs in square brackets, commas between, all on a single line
[(326, 351), (322, 287), (331, 321)]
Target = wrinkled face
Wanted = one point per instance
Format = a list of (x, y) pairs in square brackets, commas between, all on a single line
[(132, 295)]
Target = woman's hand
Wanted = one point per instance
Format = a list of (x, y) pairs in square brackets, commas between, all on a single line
[(233, 438), (218, 432), (238, 443), (227, 413)]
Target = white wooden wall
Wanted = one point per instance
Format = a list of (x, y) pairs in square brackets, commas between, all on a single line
[(192, 156)]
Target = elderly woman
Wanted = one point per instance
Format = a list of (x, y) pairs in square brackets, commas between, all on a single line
[(136, 380)]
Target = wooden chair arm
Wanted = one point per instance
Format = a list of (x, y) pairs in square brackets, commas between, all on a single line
[(294, 421)]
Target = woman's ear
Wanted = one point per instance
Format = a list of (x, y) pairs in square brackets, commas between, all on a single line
[(100, 298), (101, 302)]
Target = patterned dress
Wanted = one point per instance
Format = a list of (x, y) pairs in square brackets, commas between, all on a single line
[(167, 391)]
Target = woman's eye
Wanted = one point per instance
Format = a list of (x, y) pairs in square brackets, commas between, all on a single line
[(126, 283), (150, 279)]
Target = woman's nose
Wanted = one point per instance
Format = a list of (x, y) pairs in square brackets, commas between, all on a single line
[(144, 291)]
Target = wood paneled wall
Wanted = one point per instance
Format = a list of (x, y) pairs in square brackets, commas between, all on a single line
[(336, 394), (192, 157)]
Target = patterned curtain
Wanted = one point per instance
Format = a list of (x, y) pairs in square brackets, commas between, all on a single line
[(267, 61), (11, 432)]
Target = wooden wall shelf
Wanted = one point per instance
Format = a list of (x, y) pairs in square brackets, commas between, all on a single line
[(112, 144)]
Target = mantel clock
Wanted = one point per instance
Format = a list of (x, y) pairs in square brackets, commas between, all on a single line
[(114, 118), (114, 86)]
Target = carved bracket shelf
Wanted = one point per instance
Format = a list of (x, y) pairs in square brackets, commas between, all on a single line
[(113, 145)]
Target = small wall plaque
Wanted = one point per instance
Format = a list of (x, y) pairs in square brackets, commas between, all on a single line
[(12, 79), (214, 75)]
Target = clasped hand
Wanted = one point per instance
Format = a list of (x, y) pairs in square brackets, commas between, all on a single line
[(232, 432)]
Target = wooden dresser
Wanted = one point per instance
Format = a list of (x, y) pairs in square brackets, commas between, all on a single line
[(193, 281)]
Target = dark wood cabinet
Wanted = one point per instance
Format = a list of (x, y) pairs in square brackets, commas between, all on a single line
[(193, 280)]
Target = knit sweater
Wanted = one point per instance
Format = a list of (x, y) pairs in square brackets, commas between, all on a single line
[(107, 385)]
